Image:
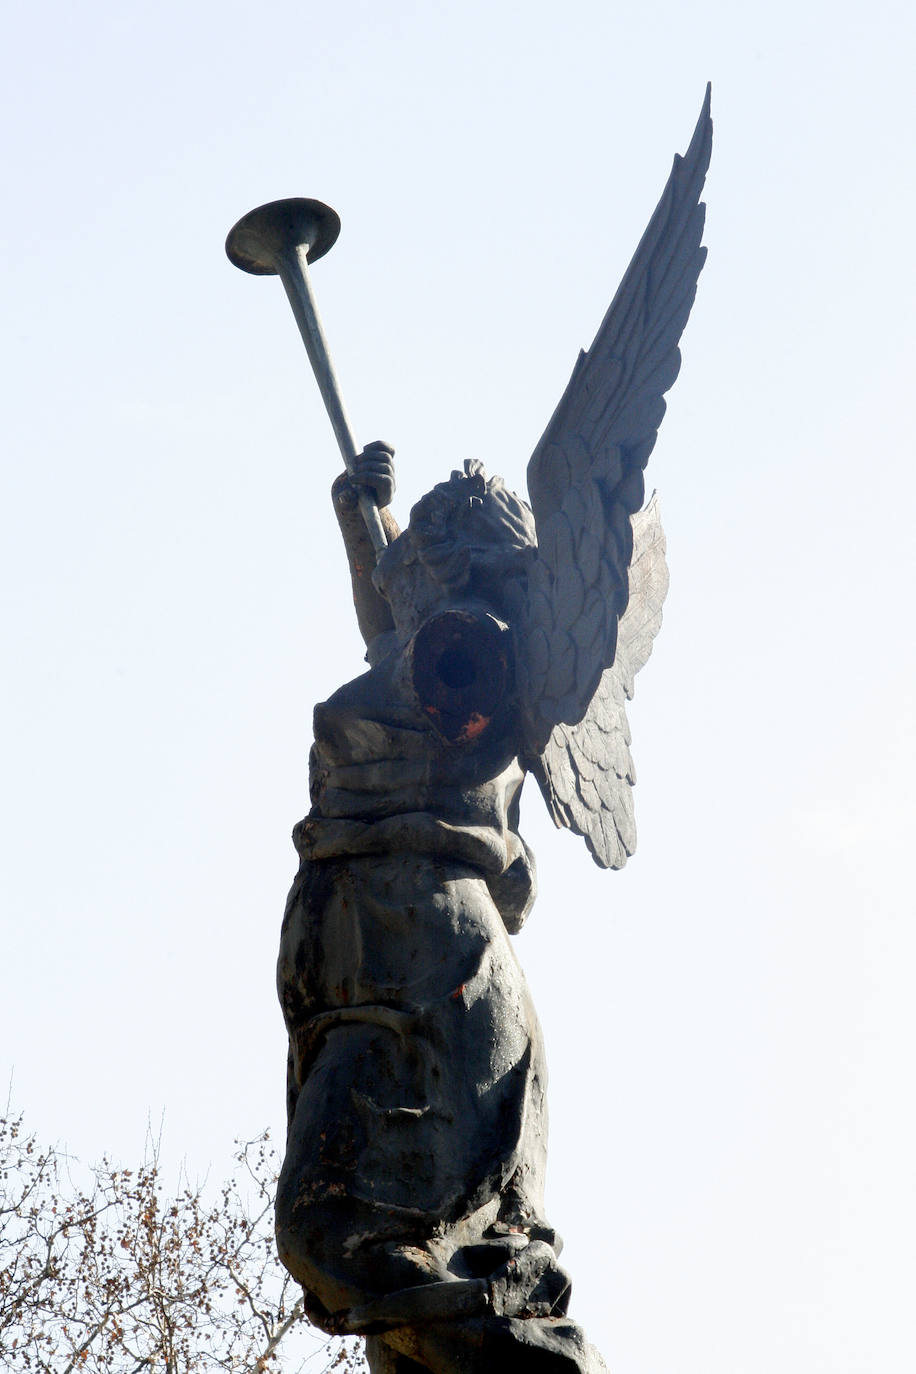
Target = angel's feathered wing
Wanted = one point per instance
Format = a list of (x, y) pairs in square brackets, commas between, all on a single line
[(585, 482), (585, 772)]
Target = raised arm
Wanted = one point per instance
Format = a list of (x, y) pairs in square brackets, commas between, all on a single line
[(375, 469)]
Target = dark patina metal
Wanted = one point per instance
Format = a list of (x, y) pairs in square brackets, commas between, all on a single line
[(503, 639)]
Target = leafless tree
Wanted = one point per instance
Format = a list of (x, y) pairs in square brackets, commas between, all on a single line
[(117, 1275)]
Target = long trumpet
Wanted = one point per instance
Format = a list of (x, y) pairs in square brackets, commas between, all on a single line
[(281, 239)]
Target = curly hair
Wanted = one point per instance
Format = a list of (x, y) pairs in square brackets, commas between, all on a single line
[(472, 528)]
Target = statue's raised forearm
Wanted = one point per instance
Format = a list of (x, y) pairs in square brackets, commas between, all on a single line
[(374, 469)]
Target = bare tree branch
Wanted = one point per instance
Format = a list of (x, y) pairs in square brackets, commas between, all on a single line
[(116, 1275)]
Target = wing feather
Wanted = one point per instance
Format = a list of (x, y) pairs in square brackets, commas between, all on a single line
[(586, 772), (585, 477)]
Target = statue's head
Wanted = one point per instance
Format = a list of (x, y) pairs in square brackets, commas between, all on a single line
[(469, 540)]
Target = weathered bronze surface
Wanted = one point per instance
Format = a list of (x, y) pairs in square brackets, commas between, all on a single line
[(503, 638), (281, 239)]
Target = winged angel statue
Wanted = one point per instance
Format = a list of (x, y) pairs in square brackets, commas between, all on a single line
[(502, 639)]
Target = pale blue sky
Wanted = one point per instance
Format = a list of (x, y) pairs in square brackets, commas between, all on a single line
[(729, 1022)]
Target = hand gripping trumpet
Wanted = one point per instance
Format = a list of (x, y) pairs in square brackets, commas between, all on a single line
[(281, 239)]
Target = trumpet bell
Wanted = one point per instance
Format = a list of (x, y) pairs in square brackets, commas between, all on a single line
[(255, 243)]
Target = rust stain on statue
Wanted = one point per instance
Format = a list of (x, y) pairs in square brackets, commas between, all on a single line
[(475, 726)]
